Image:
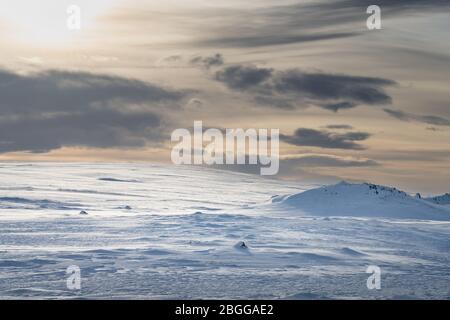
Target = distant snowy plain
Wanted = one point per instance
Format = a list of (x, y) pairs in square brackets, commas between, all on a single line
[(165, 232)]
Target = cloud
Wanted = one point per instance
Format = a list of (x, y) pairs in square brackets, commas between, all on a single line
[(172, 61), (194, 104), (208, 62), (428, 119), (244, 77), (339, 126), (304, 167), (320, 160), (425, 154), (270, 40), (259, 24), (326, 139), (323, 86), (48, 110), (389, 5), (338, 106), (293, 87), (274, 24), (100, 129), (173, 58)]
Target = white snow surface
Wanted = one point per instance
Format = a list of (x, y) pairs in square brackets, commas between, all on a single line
[(363, 200), (166, 232)]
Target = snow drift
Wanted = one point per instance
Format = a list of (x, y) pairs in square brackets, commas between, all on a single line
[(180, 233), (362, 200)]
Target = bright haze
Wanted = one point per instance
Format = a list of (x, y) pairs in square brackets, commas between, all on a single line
[(351, 103)]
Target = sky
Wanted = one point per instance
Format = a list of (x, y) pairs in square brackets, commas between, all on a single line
[(351, 103)]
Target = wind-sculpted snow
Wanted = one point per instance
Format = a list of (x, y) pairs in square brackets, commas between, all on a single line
[(32, 204), (184, 232), (362, 200)]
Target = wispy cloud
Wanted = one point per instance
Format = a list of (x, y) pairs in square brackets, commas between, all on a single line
[(428, 119), (271, 40), (208, 61), (322, 160), (300, 22), (339, 126), (326, 139), (338, 106)]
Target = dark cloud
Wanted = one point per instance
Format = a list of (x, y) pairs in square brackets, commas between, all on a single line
[(173, 61), (326, 139), (428, 119), (327, 161), (293, 87), (244, 77), (100, 129), (65, 91), (302, 22), (338, 106), (44, 111), (208, 62), (322, 86)]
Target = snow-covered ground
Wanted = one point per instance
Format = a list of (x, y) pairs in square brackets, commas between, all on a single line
[(154, 231), (443, 199)]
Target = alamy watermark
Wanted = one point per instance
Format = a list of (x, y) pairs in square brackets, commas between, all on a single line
[(73, 282), (227, 147), (74, 17), (374, 280), (374, 20)]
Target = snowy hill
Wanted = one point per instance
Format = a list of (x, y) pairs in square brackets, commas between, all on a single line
[(363, 200), (441, 200)]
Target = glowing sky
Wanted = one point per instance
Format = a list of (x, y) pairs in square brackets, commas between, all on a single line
[(351, 103)]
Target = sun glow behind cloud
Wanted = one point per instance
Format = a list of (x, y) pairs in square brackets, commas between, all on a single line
[(44, 23), (156, 41)]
